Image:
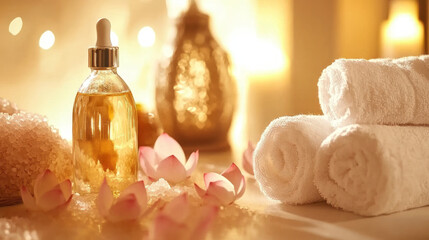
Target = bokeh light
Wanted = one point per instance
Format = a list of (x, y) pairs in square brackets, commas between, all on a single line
[(47, 40), (146, 36), (403, 26), (15, 26)]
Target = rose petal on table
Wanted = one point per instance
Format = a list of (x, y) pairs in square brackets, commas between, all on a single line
[(165, 228), (207, 215), (192, 162), (171, 169), (66, 188), (241, 188), (51, 199), (44, 182), (152, 208), (222, 190), (28, 200), (126, 208), (201, 192), (148, 160), (62, 206), (213, 177), (139, 190), (104, 199), (210, 200), (234, 175), (166, 146), (178, 209)]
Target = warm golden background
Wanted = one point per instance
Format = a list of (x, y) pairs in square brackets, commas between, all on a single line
[(278, 49)]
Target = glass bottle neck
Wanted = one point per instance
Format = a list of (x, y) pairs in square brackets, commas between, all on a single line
[(95, 71)]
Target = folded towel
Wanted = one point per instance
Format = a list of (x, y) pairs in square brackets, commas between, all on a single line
[(379, 91), (285, 156), (373, 169)]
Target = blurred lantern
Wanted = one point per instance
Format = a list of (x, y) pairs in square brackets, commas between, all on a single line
[(148, 126), (195, 91)]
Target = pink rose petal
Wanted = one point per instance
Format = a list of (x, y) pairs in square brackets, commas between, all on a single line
[(152, 208), (63, 206), (171, 169), (139, 190), (210, 200), (44, 182), (126, 208), (241, 188), (48, 194), (178, 209), (192, 162), (248, 159), (158, 162), (66, 188), (233, 174), (175, 223), (207, 215), (51, 199), (104, 199), (222, 190), (165, 228), (199, 190), (148, 160), (214, 177), (28, 200), (166, 146), (130, 204)]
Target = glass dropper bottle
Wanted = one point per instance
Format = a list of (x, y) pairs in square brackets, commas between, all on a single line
[(104, 122)]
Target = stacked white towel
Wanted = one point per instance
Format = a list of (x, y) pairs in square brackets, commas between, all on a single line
[(373, 169), (380, 91), (363, 168), (284, 158)]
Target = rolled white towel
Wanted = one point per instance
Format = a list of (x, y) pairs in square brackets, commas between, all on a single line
[(285, 156), (379, 91), (373, 169)]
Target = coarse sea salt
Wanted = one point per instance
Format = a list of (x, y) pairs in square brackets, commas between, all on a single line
[(28, 145)]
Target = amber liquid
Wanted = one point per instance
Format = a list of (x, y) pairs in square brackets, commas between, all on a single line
[(104, 141)]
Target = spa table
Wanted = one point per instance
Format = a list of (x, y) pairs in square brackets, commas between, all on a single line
[(252, 217)]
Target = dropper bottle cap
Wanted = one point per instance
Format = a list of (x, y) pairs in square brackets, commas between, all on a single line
[(103, 55)]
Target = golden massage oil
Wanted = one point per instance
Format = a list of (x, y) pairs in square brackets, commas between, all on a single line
[(104, 123)]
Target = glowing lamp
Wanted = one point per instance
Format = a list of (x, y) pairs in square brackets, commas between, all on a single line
[(402, 33)]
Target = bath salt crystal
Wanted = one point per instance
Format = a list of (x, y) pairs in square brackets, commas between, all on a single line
[(162, 190), (28, 145), (7, 106), (158, 189)]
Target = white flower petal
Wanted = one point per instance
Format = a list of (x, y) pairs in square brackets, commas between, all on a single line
[(139, 190), (28, 200), (125, 209), (192, 162), (44, 183), (223, 191), (148, 161), (171, 170), (104, 199), (234, 175), (166, 146), (51, 199)]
